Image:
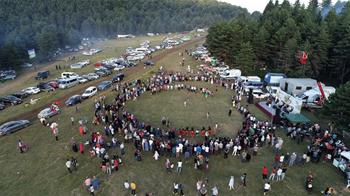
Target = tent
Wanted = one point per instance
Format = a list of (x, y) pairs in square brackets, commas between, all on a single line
[(297, 118)]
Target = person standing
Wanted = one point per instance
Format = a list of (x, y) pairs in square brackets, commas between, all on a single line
[(208, 115), (92, 190), (20, 146), (231, 183), (69, 166), (244, 179), (265, 172), (81, 147), (126, 185), (284, 170), (176, 188), (267, 187), (279, 174), (215, 191), (72, 119), (156, 155), (179, 166), (133, 188), (273, 174), (230, 112)]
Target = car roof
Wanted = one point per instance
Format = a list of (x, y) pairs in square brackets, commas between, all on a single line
[(91, 87)]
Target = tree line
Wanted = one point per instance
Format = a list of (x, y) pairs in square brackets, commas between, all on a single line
[(274, 41), (47, 25)]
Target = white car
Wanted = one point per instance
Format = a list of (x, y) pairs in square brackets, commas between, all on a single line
[(91, 76), (259, 94), (31, 90), (82, 80), (48, 112), (118, 67), (89, 92)]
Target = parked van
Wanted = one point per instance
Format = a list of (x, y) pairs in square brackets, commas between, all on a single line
[(273, 79), (231, 74), (69, 75), (68, 82)]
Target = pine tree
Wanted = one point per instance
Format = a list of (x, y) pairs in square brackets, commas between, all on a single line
[(337, 107), (245, 58)]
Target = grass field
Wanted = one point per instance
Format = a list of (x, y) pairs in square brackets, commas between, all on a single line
[(42, 170)]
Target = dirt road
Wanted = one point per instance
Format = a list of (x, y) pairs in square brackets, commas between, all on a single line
[(32, 114)]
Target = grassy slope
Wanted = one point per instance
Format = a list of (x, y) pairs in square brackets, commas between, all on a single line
[(42, 170)]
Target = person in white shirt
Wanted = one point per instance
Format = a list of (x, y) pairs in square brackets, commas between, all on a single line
[(231, 183), (279, 174), (126, 185), (235, 148), (267, 187), (156, 155), (215, 191), (179, 166)]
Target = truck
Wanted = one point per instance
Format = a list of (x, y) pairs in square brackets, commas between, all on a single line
[(273, 79)]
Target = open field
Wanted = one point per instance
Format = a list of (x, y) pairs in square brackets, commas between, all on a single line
[(62, 95), (42, 170)]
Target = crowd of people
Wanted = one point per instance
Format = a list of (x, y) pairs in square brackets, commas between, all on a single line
[(173, 142)]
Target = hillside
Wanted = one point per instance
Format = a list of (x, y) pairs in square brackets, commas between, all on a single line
[(48, 24)]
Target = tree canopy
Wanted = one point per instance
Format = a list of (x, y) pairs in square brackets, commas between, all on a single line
[(281, 34), (46, 25)]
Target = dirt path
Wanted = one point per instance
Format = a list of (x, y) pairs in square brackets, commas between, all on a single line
[(32, 114)]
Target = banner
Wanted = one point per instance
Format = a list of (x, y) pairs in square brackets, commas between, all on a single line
[(31, 53)]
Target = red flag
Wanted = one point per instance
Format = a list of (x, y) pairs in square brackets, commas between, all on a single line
[(303, 58)]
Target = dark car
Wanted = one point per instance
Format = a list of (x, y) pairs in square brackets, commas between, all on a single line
[(20, 94), (41, 75), (119, 77), (108, 67), (11, 100), (103, 72), (45, 86), (73, 100), (104, 85), (2, 106), (148, 63), (13, 126)]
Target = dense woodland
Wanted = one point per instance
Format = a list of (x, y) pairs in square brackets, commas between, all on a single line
[(49, 24), (274, 41)]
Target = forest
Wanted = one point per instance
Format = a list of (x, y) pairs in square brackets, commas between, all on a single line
[(275, 40), (47, 25)]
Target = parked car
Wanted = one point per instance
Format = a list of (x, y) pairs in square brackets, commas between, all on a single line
[(13, 126), (20, 94), (7, 77), (119, 77), (45, 86), (104, 85), (31, 90), (82, 80), (11, 100), (103, 72), (259, 94), (89, 92), (91, 76), (54, 84), (48, 112), (2, 106), (119, 67), (42, 75), (73, 100), (148, 63)]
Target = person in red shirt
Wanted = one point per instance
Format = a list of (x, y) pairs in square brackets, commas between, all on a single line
[(81, 147), (265, 172)]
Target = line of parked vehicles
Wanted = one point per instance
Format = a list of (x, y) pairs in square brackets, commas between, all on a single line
[(70, 79)]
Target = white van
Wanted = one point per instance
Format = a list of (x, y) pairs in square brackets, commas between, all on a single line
[(68, 82), (69, 75), (231, 74)]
